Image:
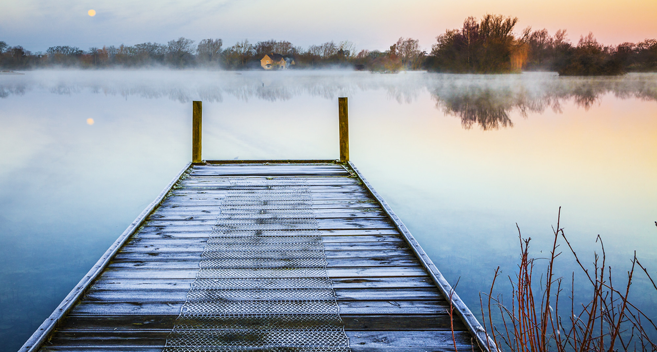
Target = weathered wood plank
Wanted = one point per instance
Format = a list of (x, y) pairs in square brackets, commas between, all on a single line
[(184, 197), (141, 348), (202, 241), (269, 172), (149, 232), (320, 201), (306, 179), (365, 246), (212, 214), (409, 341), (323, 224), (244, 165), (385, 322), (222, 181), (346, 307), (196, 230), (247, 162), (271, 180), (315, 204), (360, 341), (162, 240), (344, 192), (264, 215), (332, 273), (338, 283), (375, 211), (331, 263), (265, 187), (390, 255), (269, 166), (179, 295)]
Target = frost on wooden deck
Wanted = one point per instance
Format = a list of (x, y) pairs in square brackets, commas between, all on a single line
[(386, 298)]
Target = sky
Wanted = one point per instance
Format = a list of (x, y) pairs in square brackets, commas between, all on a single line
[(369, 24)]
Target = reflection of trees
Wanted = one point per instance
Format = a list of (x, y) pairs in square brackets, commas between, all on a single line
[(12, 88), (488, 104), (7, 91), (484, 100), (478, 107), (487, 101)]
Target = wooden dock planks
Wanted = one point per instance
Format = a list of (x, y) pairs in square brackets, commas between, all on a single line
[(388, 299)]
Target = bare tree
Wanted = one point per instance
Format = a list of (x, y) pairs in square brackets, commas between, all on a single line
[(264, 47), (328, 49), (272, 46), (64, 55), (315, 50), (180, 52), (149, 53), (239, 54), (408, 51), (348, 48), (589, 42), (209, 50)]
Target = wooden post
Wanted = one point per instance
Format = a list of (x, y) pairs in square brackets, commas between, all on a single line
[(344, 130), (197, 132)]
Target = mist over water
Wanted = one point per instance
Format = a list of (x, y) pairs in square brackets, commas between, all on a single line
[(482, 100), (460, 158)]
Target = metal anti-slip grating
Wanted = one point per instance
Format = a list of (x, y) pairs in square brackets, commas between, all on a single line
[(262, 283)]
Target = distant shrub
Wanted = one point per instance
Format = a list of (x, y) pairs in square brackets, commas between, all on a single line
[(485, 47), (590, 58)]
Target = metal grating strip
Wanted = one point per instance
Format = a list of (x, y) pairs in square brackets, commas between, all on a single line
[(262, 283)]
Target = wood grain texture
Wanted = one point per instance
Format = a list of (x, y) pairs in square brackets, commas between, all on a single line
[(389, 322), (197, 131), (88, 307), (344, 128), (373, 340)]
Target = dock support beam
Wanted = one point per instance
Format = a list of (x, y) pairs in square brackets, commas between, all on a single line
[(196, 132), (344, 130)]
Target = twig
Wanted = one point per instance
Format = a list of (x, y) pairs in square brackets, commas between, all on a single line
[(451, 313), (646, 271)]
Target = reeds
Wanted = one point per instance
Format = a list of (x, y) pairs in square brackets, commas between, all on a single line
[(533, 323)]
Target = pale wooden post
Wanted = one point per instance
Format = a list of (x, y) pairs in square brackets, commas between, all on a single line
[(344, 130), (197, 132)]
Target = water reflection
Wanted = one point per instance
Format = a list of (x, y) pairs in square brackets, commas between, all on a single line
[(487, 101), (478, 100)]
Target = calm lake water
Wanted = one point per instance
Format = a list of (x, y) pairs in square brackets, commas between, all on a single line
[(460, 158)]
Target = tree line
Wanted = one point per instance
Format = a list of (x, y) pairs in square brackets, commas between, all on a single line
[(209, 53), (486, 46), (490, 46)]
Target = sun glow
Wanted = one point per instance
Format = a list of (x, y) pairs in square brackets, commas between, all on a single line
[(90, 121), (92, 13)]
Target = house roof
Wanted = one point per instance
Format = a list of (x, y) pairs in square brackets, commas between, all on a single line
[(275, 57)]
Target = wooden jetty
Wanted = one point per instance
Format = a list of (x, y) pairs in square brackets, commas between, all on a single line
[(383, 292)]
